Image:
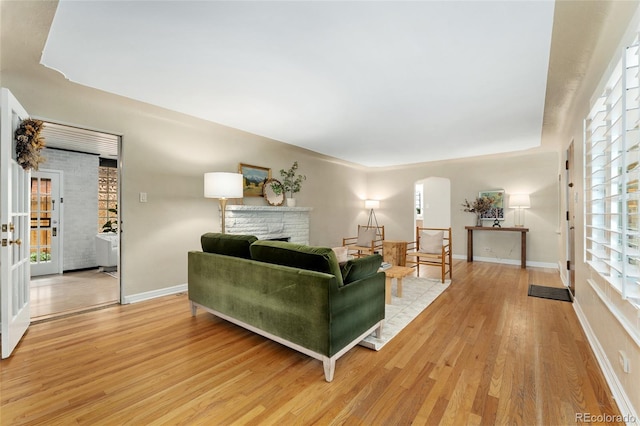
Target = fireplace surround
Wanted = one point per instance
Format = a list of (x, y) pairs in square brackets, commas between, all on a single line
[(269, 222)]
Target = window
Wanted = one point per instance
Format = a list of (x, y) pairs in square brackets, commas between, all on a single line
[(107, 199), (612, 176)]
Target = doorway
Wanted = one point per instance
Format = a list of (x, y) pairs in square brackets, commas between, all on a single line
[(73, 218), (432, 203), (572, 198)]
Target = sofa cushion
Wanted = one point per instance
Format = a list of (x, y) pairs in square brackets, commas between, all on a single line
[(342, 254), (227, 244), (357, 269), (320, 259)]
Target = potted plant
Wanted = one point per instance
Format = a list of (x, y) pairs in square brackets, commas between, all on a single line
[(111, 226), (478, 206), (291, 183)]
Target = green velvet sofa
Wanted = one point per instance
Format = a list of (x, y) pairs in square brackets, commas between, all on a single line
[(293, 294)]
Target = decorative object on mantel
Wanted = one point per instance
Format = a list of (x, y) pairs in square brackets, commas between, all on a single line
[(29, 143), (253, 178), (519, 202), (478, 206), (291, 183), (223, 186), (272, 192)]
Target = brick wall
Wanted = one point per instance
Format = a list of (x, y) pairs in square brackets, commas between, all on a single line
[(269, 222), (80, 177)]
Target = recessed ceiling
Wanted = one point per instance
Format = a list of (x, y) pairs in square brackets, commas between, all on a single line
[(374, 83)]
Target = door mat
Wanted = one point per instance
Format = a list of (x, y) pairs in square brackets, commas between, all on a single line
[(553, 293)]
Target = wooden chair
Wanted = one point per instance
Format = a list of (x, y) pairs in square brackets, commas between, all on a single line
[(368, 241), (433, 250)]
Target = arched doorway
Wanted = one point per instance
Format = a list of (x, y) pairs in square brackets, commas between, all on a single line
[(433, 203)]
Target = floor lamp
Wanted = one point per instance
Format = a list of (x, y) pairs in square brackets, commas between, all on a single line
[(222, 185), (372, 204)]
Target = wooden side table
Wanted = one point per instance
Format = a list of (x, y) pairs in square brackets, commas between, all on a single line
[(397, 272), (523, 241), (395, 252)]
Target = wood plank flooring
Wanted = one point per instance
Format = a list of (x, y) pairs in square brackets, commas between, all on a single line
[(63, 294), (483, 353)]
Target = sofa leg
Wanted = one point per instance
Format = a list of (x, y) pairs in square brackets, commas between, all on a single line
[(379, 330), (329, 365), (194, 308)]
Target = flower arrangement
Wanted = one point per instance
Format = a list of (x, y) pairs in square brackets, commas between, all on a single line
[(478, 206), (29, 143)]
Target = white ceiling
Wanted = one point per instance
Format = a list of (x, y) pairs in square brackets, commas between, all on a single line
[(374, 83)]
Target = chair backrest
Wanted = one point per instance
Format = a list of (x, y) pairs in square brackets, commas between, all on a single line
[(446, 235), (379, 230)]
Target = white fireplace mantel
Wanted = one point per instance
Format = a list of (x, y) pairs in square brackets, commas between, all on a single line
[(269, 222)]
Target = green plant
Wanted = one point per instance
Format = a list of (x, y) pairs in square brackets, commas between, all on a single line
[(44, 257), (291, 182), (111, 225)]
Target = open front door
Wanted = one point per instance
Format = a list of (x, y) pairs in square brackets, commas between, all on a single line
[(14, 222)]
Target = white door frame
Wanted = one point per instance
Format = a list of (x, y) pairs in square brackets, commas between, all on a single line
[(15, 311), (57, 255)]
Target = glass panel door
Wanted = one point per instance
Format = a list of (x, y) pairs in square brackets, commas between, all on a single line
[(44, 253)]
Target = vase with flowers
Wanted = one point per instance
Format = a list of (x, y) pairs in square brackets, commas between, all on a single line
[(478, 206)]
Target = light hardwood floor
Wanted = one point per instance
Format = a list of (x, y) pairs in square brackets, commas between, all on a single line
[(62, 294), (483, 353)]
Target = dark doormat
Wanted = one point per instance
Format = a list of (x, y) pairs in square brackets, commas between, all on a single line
[(553, 293)]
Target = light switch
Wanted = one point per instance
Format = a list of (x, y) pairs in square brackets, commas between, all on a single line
[(143, 197)]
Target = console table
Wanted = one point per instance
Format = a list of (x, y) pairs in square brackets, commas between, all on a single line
[(523, 240)]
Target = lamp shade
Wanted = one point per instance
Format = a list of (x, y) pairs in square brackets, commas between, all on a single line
[(371, 204), (222, 185), (520, 201)]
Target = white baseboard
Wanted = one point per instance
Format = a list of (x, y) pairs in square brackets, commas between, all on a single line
[(148, 295), (629, 415), (507, 261)]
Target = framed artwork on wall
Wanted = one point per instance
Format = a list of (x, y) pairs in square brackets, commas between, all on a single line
[(497, 209), (253, 178)]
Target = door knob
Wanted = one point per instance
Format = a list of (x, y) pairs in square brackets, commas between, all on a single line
[(17, 242)]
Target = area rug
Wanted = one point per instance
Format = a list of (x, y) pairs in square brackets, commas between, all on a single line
[(553, 293), (417, 294)]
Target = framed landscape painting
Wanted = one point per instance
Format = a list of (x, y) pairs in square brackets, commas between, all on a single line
[(253, 178), (497, 210)]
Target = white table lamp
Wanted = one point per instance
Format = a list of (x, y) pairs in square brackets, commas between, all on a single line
[(519, 202), (222, 185)]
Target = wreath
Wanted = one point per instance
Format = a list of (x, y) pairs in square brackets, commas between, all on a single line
[(29, 143)]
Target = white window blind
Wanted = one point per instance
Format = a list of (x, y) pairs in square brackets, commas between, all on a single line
[(612, 176)]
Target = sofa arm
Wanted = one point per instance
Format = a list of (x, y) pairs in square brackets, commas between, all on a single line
[(355, 308)]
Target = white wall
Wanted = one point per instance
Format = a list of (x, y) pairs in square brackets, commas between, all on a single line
[(605, 332), (80, 220), (533, 173)]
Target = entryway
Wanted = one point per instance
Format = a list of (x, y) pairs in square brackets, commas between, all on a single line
[(72, 198)]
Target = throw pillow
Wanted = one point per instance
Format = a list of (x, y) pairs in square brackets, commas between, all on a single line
[(341, 254), (365, 236), (431, 242)]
